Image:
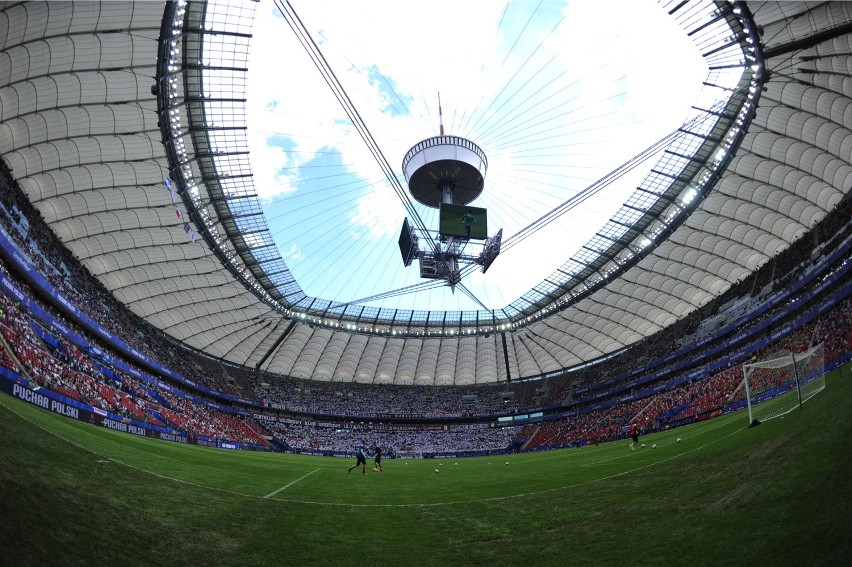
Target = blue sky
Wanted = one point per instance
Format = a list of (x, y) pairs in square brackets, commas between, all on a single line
[(555, 98)]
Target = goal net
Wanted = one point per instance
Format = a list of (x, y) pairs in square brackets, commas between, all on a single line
[(783, 383)]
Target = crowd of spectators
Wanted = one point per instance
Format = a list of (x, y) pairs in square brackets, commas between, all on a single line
[(51, 361), (353, 400), (698, 399), (53, 260), (602, 397), (412, 441)]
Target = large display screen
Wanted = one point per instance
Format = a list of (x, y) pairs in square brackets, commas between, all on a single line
[(407, 243), (463, 221)]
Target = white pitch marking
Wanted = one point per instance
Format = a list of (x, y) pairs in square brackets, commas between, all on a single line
[(286, 486), (350, 505)]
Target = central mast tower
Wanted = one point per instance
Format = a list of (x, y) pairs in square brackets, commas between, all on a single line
[(447, 172)]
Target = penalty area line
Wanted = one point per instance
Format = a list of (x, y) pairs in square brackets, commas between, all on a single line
[(288, 485)]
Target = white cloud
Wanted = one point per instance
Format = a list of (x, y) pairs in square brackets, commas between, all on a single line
[(380, 215), (556, 87), (293, 255)]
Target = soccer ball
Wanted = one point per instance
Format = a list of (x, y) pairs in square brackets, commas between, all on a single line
[(654, 446), (678, 439), (456, 464), (643, 445), (437, 470), (507, 462)]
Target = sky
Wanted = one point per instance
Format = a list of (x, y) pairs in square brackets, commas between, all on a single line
[(557, 94)]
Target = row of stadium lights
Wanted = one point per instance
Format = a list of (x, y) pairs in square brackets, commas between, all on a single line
[(232, 257), (687, 197), (692, 190), (191, 184), (333, 324)]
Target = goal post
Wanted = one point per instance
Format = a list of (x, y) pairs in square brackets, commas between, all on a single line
[(779, 384)]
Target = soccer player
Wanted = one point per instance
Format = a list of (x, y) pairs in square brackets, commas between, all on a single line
[(377, 460), (468, 219), (361, 457), (634, 433)]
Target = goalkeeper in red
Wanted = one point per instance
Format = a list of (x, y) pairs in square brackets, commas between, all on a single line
[(634, 434)]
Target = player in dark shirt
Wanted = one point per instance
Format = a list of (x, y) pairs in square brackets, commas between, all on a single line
[(468, 219), (361, 458), (377, 460)]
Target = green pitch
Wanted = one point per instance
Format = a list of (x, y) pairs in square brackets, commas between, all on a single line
[(778, 494)]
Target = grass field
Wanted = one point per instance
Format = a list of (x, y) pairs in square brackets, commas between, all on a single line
[(777, 494)]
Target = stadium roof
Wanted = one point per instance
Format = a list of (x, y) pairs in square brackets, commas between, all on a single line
[(108, 107)]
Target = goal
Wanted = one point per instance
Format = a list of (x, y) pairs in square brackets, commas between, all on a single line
[(782, 383)]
